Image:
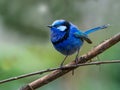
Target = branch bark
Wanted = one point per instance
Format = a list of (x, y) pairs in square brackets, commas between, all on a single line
[(83, 59)]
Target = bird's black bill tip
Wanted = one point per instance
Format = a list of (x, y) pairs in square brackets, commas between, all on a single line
[(50, 26)]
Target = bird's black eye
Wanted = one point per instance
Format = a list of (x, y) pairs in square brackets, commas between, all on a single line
[(62, 28)]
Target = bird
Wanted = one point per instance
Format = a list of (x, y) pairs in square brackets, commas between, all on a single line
[(68, 39)]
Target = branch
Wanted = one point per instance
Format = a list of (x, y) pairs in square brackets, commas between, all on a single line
[(83, 59), (59, 68)]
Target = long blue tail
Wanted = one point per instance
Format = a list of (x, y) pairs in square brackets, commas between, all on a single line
[(96, 29)]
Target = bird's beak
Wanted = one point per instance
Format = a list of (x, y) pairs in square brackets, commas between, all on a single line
[(50, 26)]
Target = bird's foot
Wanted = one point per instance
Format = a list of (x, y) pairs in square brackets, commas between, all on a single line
[(61, 65), (76, 60)]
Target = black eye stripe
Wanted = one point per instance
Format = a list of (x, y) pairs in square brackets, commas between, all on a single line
[(65, 23), (56, 26), (59, 26)]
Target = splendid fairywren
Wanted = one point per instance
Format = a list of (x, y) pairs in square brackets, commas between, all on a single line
[(68, 39)]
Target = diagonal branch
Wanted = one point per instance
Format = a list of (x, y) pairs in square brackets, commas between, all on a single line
[(83, 59)]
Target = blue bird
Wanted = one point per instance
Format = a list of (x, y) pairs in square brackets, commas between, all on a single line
[(68, 39)]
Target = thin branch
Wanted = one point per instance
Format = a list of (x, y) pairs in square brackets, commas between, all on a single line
[(83, 59), (59, 68)]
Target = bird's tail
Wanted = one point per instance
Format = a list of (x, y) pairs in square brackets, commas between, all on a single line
[(96, 29)]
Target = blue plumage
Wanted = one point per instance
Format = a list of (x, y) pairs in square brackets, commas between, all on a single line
[(68, 39)]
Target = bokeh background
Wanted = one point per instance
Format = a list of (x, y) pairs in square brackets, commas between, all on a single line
[(25, 45)]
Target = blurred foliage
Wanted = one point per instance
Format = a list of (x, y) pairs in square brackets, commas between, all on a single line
[(30, 17), (25, 46)]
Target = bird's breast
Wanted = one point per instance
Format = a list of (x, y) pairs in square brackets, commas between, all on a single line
[(69, 46)]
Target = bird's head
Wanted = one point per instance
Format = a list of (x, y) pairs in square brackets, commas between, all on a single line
[(59, 30), (60, 25)]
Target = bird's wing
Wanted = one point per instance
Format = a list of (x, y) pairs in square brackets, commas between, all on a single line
[(83, 36)]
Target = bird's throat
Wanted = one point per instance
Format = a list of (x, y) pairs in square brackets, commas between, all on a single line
[(60, 38)]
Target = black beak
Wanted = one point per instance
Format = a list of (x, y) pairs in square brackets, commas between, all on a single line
[(50, 26)]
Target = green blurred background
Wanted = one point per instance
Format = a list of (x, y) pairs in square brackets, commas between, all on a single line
[(25, 46)]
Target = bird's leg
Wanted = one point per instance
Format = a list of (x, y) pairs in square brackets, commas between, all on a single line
[(63, 61), (76, 58)]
